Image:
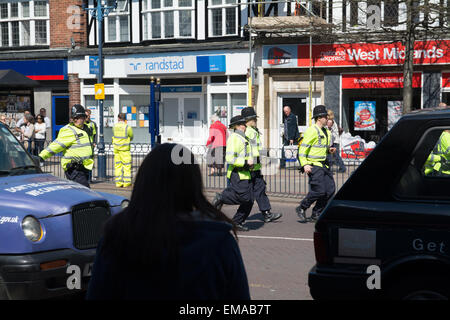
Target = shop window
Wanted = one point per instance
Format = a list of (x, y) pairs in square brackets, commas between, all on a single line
[(223, 18), (118, 22), (18, 23), (238, 78), (168, 19), (108, 114), (427, 176), (238, 102), (219, 79), (136, 108), (219, 104)]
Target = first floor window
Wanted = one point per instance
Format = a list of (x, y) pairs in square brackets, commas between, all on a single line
[(118, 23), (223, 17), (41, 32)]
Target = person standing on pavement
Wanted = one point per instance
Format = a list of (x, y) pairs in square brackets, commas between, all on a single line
[(290, 134), (48, 124), (312, 154), (40, 130), (257, 179), (239, 192), (170, 243), (74, 142), (122, 137), (335, 133), (217, 142)]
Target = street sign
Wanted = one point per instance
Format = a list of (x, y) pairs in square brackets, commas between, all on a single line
[(94, 65), (99, 91)]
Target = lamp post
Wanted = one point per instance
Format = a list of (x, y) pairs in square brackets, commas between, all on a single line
[(155, 98), (99, 13)]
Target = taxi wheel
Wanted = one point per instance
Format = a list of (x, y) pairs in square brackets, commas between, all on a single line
[(419, 288)]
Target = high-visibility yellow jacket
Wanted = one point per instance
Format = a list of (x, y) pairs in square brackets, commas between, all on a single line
[(237, 154), (439, 159), (314, 147), (74, 143), (254, 139), (91, 126), (122, 136)]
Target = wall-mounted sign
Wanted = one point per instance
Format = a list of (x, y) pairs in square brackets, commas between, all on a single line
[(94, 65), (38, 69), (99, 91), (378, 80), (181, 89), (365, 115)]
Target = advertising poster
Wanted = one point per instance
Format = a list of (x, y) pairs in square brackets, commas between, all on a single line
[(395, 109), (365, 115)]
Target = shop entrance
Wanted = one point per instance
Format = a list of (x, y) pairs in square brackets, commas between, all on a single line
[(446, 98), (376, 103), (182, 119)]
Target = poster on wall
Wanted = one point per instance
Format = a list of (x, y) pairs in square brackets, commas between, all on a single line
[(221, 111), (395, 109), (365, 115)]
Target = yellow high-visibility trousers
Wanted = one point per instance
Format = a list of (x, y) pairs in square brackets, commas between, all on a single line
[(122, 165)]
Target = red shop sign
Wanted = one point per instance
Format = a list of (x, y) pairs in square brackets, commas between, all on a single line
[(378, 80), (373, 54), (446, 80)]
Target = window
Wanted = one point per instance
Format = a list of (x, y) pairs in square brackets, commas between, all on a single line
[(168, 19), (118, 22), (24, 23), (391, 13), (354, 13), (223, 18)]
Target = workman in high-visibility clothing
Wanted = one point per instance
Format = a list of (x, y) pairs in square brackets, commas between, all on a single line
[(438, 162), (312, 155), (257, 179), (122, 137), (74, 142), (238, 172)]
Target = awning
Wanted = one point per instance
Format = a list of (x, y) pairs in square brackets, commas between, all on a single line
[(12, 79)]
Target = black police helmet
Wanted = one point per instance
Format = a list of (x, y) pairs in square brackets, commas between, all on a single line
[(78, 111), (248, 113), (320, 111), (237, 120)]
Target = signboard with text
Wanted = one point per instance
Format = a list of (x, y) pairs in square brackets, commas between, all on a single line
[(378, 80)]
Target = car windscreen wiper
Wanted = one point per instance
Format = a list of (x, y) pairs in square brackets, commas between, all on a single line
[(4, 172), (17, 170)]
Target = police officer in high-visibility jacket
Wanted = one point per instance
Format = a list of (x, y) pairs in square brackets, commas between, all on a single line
[(312, 155), (122, 136), (74, 142), (238, 172), (257, 179), (438, 162)]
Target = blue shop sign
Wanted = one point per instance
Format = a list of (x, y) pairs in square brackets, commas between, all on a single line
[(181, 89), (38, 69), (211, 64)]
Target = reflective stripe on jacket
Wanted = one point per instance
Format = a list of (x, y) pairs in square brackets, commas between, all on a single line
[(122, 136), (314, 147), (254, 139), (74, 143), (237, 153)]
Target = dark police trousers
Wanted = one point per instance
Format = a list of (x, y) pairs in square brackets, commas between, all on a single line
[(259, 191), (79, 175), (239, 192), (321, 189)]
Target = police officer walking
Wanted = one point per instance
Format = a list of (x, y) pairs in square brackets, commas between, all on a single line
[(122, 136), (257, 180), (239, 164), (312, 155), (74, 142)]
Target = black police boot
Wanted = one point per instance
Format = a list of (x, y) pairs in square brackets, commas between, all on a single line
[(270, 216), (217, 201), (241, 227), (314, 217), (301, 214)]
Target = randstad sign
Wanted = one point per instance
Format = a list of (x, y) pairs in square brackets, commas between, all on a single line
[(175, 64)]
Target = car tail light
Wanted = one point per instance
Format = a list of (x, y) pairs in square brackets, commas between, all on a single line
[(321, 248)]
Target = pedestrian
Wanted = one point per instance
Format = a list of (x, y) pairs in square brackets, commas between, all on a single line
[(40, 129), (170, 243), (122, 137), (239, 192), (257, 179), (335, 134), (21, 121), (216, 144), (3, 120), (48, 124), (290, 134), (28, 133), (312, 153), (74, 142)]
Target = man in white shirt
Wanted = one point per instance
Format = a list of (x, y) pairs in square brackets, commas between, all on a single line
[(43, 113)]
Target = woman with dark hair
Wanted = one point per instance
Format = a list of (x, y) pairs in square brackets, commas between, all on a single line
[(170, 243)]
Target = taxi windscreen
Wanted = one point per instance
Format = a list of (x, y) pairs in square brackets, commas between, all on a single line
[(13, 157)]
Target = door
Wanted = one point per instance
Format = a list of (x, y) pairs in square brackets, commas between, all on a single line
[(192, 121), (60, 114), (170, 120)]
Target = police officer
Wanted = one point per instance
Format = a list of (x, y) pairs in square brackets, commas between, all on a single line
[(122, 136), (438, 162), (257, 179), (312, 155), (238, 172), (74, 142)]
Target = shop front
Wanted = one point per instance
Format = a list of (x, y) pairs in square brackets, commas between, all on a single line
[(194, 85), (446, 88)]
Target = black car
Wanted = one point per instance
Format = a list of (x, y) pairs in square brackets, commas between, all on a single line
[(386, 233)]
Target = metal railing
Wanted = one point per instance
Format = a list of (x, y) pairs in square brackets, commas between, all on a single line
[(287, 182)]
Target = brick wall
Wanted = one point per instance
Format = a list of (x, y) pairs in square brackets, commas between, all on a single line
[(74, 89), (64, 26)]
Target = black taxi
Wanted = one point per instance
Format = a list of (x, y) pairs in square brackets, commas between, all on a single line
[(386, 232)]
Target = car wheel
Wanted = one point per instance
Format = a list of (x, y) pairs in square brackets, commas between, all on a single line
[(419, 288)]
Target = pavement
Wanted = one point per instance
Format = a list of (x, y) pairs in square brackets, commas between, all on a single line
[(277, 255)]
